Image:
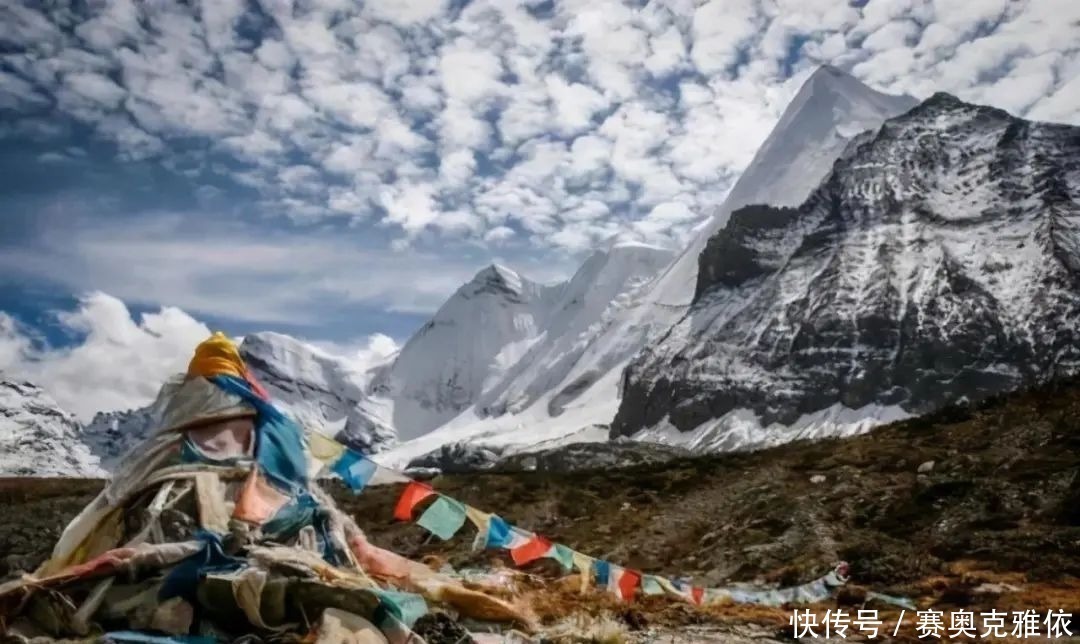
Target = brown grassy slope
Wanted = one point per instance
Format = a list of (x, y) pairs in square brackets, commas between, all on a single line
[(1001, 502)]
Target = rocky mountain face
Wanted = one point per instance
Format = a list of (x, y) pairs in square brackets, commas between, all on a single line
[(37, 438), (939, 261), (110, 435)]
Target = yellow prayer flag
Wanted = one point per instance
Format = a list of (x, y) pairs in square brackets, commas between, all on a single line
[(324, 448), (584, 565)]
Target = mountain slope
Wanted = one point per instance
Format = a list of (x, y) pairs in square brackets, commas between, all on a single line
[(939, 261), (37, 438), (478, 334), (534, 396)]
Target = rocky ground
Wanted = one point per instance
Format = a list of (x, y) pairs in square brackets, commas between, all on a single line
[(972, 508)]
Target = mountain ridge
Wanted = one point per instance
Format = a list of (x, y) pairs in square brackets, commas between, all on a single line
[(894, 238)]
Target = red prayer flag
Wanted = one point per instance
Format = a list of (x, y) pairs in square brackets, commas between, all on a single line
[(698, 594), (414, 493), (628, 583), (531, 550)]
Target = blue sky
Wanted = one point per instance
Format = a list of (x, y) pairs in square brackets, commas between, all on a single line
[(335, 169)]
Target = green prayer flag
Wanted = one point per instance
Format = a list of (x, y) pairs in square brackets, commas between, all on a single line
[(564, 555), (443, 518), (650, 586), (405, 607)]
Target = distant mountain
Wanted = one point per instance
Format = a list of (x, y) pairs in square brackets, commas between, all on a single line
[(474, 338), (499, 361), (37, 438), (938, 262)]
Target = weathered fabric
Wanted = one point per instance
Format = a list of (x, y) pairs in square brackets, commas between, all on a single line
[(216, 356), (210, 500), (405, 607), (182, 580), (650, 586), (279, 445), (258, 501), (324, 449), (229, 440), (584, 565), (498, 535), (340, 627), (443, 518), (601, 572)]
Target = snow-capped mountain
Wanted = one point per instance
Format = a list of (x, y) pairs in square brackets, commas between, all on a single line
[(565, 390), (939, 261), (474, 338), (37, 438), (516, 346)]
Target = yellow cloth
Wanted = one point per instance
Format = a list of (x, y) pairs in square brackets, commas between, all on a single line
[(584, 565), (324, 448), (216, 356)]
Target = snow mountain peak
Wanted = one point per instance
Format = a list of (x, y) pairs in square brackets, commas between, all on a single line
[(937, 262)]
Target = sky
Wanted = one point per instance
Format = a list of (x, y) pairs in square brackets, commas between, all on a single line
[(335, 169)]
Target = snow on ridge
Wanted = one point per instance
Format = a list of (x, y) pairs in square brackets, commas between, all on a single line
[(742, 429), (37, 438)]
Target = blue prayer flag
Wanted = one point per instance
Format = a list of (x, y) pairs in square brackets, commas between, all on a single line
[(602, 569), (354, 469), (498, 532)]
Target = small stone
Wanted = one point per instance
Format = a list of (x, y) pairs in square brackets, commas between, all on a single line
[(926, 467), (817, 479)]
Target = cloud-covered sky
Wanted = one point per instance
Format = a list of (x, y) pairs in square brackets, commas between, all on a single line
[(336, 168)]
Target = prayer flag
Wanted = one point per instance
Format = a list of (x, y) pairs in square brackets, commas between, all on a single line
[(622, 582), (584, 564), (601, 571), (498, 535), (414, 493), (531, 550), (354, 469), (628, 583), (443, 518), (406, 607), (481, 520), (324, 448), (564, 555), (650, 586), (697, 593)]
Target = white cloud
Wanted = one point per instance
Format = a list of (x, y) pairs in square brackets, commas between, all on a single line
[(470, 74), (497, 121), (119, 364), (575, 103), (406, 13)]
